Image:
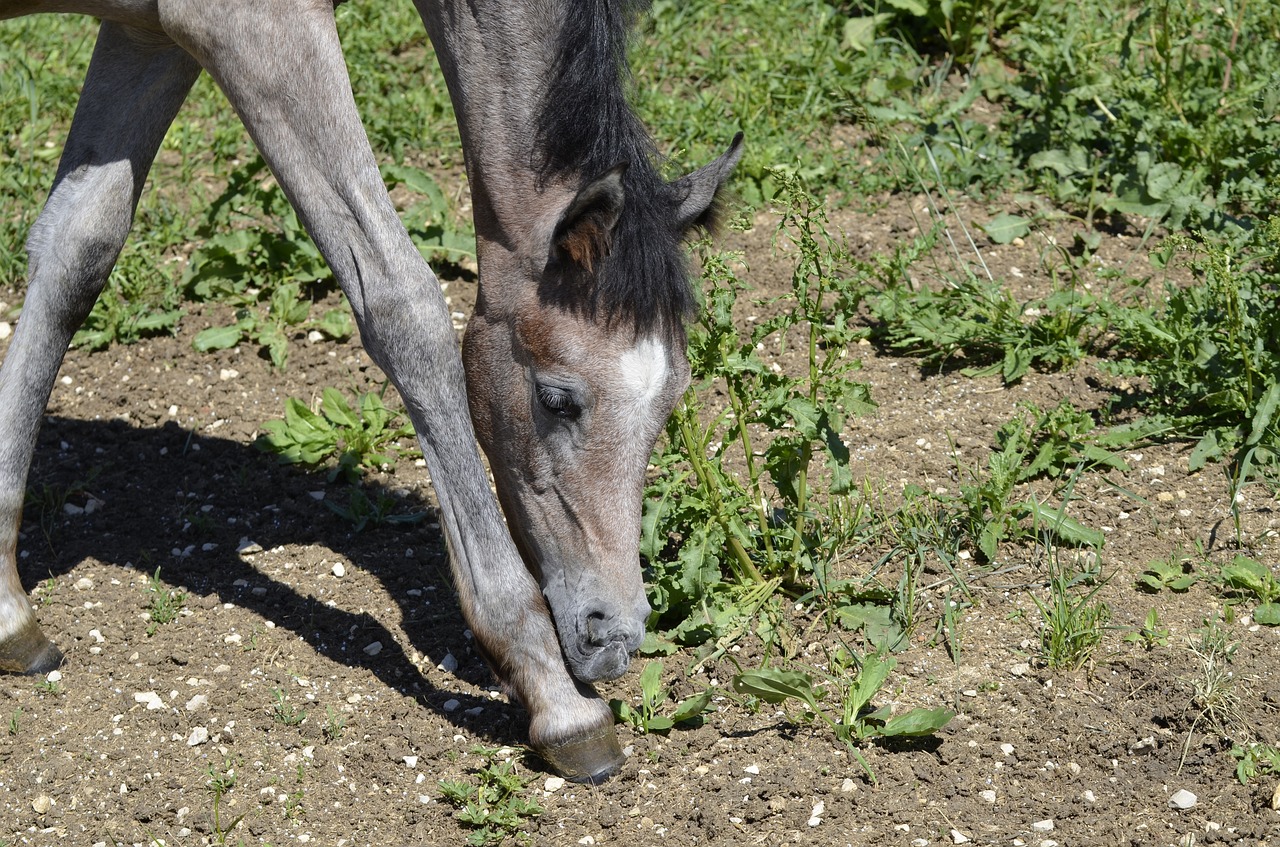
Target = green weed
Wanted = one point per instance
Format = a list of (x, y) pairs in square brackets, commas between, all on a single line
[(1073, 621), (335, 725), (165, 605), (1175, 573), (653, 697), (285, 713), (766, 525), (353, 438), (362, 511), (1255, 760), (1152, 634), (853, 681), (1249, 578), (14, 717), (221, 782), (492, 805)]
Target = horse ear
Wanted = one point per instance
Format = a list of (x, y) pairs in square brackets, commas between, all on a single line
[(698, 191), (585, 231)]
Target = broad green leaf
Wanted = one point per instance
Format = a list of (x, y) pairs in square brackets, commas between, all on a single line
[(335, 408), (1162, 179), (871, 677), (775, 686), (1268, 614), (1264, 414), (651, 682), (917, 722), (1003, 228), (217, 338), (1206, 450), (1065, 527), (690, 708), (913, 7)]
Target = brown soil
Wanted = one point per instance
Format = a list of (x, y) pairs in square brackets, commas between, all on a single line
[(156, 439)]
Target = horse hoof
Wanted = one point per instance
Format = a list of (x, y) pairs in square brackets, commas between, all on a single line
[(30, 652), (591, 759)]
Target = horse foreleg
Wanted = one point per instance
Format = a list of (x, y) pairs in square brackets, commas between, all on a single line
[(132, 91), (281, 66)]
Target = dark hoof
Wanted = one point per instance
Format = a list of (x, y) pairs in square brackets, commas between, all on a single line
[(591, 759), (29, 652)]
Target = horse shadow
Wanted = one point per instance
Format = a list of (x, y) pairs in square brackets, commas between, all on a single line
[(148, 497)]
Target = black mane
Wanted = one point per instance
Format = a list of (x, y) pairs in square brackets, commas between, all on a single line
[(585, 128)]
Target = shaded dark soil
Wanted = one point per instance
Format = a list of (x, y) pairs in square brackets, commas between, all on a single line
[(145, 462)]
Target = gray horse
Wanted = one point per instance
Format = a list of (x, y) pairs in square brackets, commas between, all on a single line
[(574, 358)]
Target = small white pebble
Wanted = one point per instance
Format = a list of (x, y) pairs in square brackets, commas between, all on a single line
[(1042, 826), (1007, 749), (958, 837), (339, 570), (83, 584), (752, 769), (1182, 799), (373, 649), (553, 783), (988, 795), (199, 735), (228, 373)]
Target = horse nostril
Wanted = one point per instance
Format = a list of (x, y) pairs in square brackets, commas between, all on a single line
[(598, 631)]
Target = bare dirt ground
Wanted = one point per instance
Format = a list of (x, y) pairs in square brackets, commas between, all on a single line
[(151, 444)]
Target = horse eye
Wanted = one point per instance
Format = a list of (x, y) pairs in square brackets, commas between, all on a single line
[(558, 402)]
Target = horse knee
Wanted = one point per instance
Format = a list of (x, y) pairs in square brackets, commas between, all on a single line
[(82, 228)]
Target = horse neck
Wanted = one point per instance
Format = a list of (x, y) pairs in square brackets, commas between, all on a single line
[(499, 59)]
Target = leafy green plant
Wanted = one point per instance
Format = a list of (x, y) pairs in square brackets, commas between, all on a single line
[(1073, 621), (335, 725), (1174, 573), (13, 726), (767, 525), (362, 511), (1250, 578), (1152, 634), (1255, 760), (977, 324), (139, 301), (352, 437), (648, 717), (854, 682), (1156, 113), (165, 605), (492, 805), (1032, 444), (219, 784), (284, 712)]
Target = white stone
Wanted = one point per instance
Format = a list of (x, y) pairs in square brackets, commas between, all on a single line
[(199, 735), (228, 373), (1089, 797), (97, 636), (988, 795), (42, 804), (83, 584), (150, 698), (339, 570), (247, 546), (1275, 798), (411, 761), (5, 330), (1007, 749), (958, 837), (847, 786), (1182, 799), (196, 703), (553, 783), (1042, 826), (448, 664), (754, 770), (54, 676), (373, 649)]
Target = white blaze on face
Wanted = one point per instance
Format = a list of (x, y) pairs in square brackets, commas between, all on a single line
[(643, 372)]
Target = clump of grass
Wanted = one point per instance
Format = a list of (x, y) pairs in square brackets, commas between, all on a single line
[(166, 603), (1073, 620)]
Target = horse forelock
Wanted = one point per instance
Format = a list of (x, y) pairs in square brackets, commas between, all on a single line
[(585, 127)]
